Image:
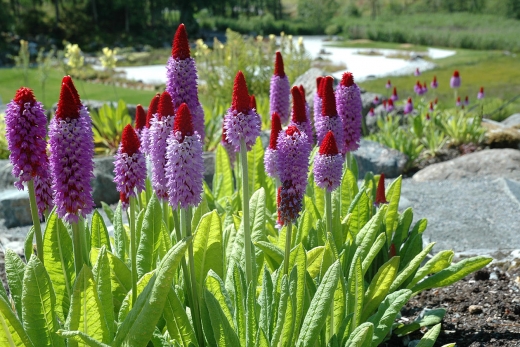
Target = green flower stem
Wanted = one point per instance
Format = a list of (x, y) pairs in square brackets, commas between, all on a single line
[(176, 223), (288, 238), (84, 251), (245, 211), (133, 247), (348, 160), (186, 215), (328, 210), (36, 219), (78, 251), (166, 215)]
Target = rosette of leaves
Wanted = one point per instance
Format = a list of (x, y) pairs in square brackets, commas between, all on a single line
[(108, 123)]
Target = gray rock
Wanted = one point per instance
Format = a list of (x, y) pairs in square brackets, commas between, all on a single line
[(15, 209), (103, 186), (475, 309), (367, 98), (209, 167), (6, 178), (491, 163), (373, 156), (308, 80), (512, 121)]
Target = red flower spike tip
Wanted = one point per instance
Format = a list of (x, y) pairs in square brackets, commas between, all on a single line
[(123, 198), (482, 89), (409, 100), (321, 87), (129, 141), (436, 100), (466, 98), (395, 89), (67, 107), (302, 91), (318, 83), (390, 102), (380, 193), (292, 130), (68, 81), (252, 102), (329, 101), (24, 95), (183, 121), (298, 115), (152, 109), (240, 94), (458, 99), (434, 78), (427, 116), (140, 117), (456, 73), (348, 79), (384, 103), (278, 65), (391, 251), (165, 107), (181, 46), (276, 127), (328, 145)]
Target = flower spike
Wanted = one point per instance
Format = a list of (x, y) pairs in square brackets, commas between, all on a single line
[(140, 118), (278, 65), (181, 46), (380, 192), (271, 153), (350, 109), (279, 92), (328, 164)]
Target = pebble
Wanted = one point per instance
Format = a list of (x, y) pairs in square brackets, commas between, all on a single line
[(475, 309)]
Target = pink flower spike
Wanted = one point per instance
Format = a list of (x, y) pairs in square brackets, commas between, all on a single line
[(480, 94), (328, 164), (271, 153), (455, 80)]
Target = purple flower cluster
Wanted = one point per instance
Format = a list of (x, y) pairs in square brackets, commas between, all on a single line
[(328, 164), (480, 94), (181, 79), (72, 149), (129, 166), (279, 94), (185, 165), (408, 107), (317, 99), (350, 108), (434, 83), (150, 115), (394, 96), (299, 113), (271, 152), (329, 119), (455, 80)]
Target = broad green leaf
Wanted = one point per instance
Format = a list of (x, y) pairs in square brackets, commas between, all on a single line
[(108, 211), (58, 257), (265, 301), (126, 306), (314, 260), (281, 310), (223, 178), (120, 238), (15, 269), (319, 199), (411, 267), (338, 308), (329, 256), (393, 195), (207, 248), (428, 340), (403, 226), (412, 247), (272, 253), (306, 227), (120, 277), (453, 273), (361, 336), (39, 306), (138, 327), (86, 311), (216, 287), (239, 285), (438, 262), (319, 307), (355, 292), (12, 333), (198, 212), (349, 190), (288, 328), (3, 293), (177, 321), (151, 236), (298, 259), (103, 281), (426, 318), (81, 337), (28, 246), (99, 232), (385, 316), (359, 210), (262, 339), (373, 252), (380, 286), (251, 315)]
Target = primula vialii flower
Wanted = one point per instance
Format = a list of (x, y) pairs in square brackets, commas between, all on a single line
[(240, 120), (181, 79), (417, 72), (150, 115), (72, 151), (388, 84), (317, 98), (390, 105), (279, 91), (434, 83), (160, 129), (408, 108), (376, 100), (350, 108), (424, 88), (329, 119), (466, 100), (455, 80), (458, 103), (371, 112), (293, 161), (380, 192), (129, 166), (299, 114), (480, 94), (271, 152), (140, 120), (328, 164), (185, 166), (230, 149), (394, 96)]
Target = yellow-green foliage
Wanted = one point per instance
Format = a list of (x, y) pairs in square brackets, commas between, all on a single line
[(4, 153)]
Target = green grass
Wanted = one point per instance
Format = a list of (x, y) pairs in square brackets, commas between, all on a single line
[(12, 79)]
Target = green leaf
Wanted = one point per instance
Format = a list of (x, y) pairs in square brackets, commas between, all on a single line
[(339, 308), (361, 336), (207, 248), (314, 260), (319, 307), (28, 245), (373, 252), (380, 286), (223, 178), (298, 259), (359, 210), (39, 306), (403, 225), (349, 190), (355, 292), (411, 267), (126, 306), (15, 269), (393, 195), (288, 326), (86, 311), (430, 337), (426, 318), (120, 277), (265, 300), (99, 232), (438, 262), (120, 234), (262, 339), (453, 273), (138, 327), (108, 211), (272, 253), (319, 199), (282, 309), (58, 257), (81, 337), (150, 241), (386, 314), (251, 315), (12, 333), (239, 285), (177, 321), (103, 280)]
